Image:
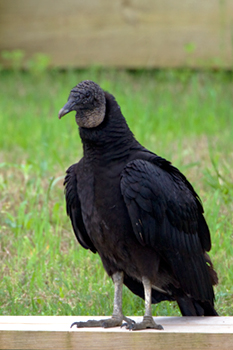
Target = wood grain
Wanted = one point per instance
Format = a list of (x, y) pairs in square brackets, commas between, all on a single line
[(53, 332), (121, 33)]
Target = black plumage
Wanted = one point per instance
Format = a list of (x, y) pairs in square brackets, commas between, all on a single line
[(138, 212)]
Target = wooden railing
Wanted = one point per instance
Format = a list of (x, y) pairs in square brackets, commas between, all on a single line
[(53, 332)]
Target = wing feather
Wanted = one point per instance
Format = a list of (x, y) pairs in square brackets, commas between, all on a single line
[(167, 215), (73, 208)]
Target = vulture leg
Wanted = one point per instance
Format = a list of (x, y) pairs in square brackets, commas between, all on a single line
[(117, 316), (148, 321)]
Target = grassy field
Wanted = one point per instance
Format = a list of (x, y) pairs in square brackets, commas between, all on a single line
[(184, 116)]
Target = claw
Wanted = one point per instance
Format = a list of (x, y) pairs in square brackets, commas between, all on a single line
[(148, 322), (74, 324), (128, 324)]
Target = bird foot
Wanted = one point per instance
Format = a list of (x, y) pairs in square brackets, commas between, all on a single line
[(114, 321), (148, 322)]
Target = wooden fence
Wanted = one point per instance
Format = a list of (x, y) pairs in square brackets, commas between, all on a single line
[(121, 33)]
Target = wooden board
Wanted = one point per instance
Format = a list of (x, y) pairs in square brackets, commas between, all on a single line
[(53, 332), (121, 33)]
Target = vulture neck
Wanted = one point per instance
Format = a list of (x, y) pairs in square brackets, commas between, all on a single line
[(112, 139)]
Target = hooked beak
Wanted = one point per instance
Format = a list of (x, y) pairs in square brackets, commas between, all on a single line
[(66, 109)]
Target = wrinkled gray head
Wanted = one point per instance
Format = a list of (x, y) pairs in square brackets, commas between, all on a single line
[(88, 100)]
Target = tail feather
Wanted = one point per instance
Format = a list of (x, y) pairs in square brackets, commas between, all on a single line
[(191, 307)]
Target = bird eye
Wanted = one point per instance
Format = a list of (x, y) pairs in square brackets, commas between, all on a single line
[(88, 94)]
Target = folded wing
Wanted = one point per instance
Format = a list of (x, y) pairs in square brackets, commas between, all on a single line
[(167, 215)]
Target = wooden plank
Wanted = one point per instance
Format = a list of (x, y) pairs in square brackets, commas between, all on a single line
[(53, 332), (121, 33)]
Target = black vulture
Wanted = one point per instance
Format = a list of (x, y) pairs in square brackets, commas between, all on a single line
[(138, 212)]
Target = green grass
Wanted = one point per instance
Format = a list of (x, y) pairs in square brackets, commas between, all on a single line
[(183, 116)]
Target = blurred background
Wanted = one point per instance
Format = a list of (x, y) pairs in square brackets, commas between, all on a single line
[(121, 33), (169, 66)]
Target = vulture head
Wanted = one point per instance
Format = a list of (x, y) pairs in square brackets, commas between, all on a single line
[(88, 100)]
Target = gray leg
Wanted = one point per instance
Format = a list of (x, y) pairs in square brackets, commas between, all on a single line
[(118, 283), (148, 321), (117, 317)]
